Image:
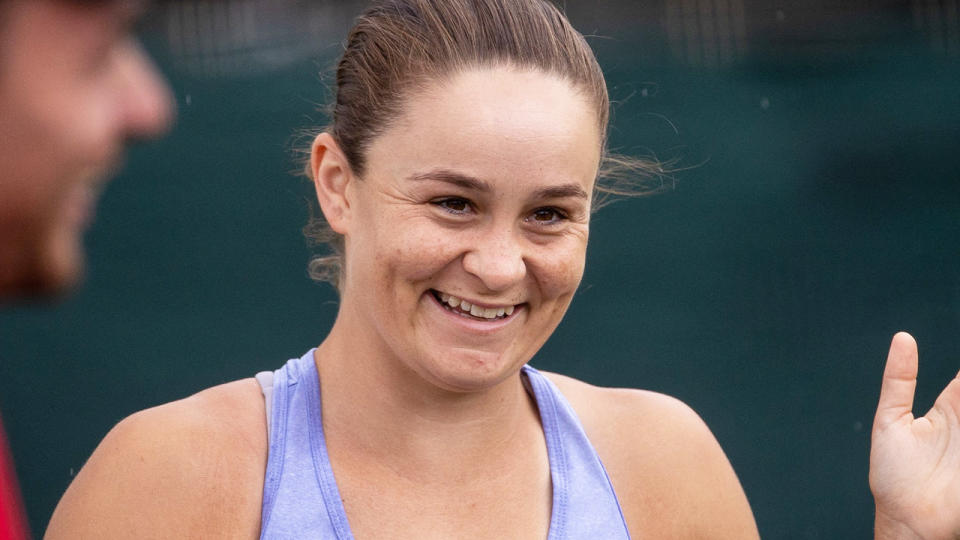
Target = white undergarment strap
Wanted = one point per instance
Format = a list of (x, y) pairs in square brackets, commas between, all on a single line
[(265, 378)]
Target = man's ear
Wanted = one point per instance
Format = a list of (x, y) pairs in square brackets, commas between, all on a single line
[(331, 177)]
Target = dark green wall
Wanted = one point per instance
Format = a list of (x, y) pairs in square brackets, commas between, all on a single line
[(818, 215)]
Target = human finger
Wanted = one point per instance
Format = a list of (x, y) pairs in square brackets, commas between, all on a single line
[(899, 381)]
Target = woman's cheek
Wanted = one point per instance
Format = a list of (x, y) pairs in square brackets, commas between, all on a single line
[(559, 267), (423, 251)]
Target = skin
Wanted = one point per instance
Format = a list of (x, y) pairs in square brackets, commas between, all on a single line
[(506, 223), (74, 87), (444, 393), (915, 462), (462, 196)]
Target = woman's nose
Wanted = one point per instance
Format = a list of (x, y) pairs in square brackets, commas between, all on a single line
[(496, 260)]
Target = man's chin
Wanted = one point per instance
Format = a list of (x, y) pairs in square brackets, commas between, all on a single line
[(59, 282), (48, 275), (63, 269)]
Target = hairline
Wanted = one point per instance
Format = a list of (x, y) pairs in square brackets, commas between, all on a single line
[(431, 83)]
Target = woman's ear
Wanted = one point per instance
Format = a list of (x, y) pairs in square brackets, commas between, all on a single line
[(331, 176)]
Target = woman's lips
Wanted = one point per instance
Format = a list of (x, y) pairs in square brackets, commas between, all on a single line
[(464, 307), (472, 311)]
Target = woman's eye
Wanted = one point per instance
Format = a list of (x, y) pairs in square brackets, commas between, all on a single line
[(453, 205), (547, 216)]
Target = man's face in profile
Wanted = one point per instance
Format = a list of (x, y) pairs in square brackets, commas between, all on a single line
[(74, 87)]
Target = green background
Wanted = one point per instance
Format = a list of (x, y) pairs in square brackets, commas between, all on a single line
[(817, 215)]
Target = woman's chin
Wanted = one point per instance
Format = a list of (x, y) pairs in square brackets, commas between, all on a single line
[(459, 369)]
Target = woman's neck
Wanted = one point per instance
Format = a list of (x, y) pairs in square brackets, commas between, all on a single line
[(377, 406)]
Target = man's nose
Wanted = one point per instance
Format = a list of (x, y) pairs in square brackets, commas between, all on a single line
[(147, 106)]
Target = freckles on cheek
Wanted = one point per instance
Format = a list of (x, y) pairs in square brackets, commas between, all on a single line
[(562, 274), (569, 277), (418, 256)]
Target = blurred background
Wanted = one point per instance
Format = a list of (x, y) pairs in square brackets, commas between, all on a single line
[(818, 212)]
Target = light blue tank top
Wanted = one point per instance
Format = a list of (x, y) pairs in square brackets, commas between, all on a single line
[(300, 495)]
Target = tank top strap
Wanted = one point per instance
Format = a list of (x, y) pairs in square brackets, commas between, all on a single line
[(584, 503), (276, 404), (300, 494)]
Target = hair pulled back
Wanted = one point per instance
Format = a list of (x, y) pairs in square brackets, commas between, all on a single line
[(399, 46)]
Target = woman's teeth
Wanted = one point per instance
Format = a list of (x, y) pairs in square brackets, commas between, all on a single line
[(466, 307)]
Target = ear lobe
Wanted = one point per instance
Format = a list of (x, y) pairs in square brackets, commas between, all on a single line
[(331, 175)]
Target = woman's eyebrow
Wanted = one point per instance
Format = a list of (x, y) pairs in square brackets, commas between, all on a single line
[(561, 192), (475, 184), (454, 178)]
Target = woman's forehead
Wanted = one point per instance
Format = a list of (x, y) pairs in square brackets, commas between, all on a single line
[(501, 94), (497, 122)]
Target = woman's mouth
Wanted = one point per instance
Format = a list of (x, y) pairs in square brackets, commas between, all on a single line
[(466, 309)]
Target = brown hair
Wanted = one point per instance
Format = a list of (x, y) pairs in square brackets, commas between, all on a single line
[(398, 46)]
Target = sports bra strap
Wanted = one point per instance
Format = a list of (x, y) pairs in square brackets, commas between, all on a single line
[(265, 379)]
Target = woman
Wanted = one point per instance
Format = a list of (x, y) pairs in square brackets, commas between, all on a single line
[(457, 180)]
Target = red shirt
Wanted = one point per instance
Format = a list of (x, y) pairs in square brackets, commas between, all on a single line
[(13, 522)]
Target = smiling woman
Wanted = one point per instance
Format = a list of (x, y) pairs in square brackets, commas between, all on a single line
[(456, 183), (479, 191)]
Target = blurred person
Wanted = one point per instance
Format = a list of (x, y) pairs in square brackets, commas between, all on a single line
[(466, 152), (75, 86)]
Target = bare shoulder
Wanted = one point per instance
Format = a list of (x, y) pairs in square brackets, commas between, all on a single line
[(191, 468), (668, 470)]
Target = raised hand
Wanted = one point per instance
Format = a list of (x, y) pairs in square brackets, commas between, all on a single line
[(915, 462)]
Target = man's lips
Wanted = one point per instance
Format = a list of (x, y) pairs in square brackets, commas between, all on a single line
[(80, 203)]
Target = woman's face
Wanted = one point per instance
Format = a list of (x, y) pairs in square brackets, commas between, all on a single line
[(467, 236)]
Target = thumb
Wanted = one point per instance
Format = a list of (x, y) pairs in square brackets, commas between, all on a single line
[(899, 382)]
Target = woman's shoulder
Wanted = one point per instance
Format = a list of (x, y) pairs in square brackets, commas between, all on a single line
[(670, 475), (644, 429), (189, 466)]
